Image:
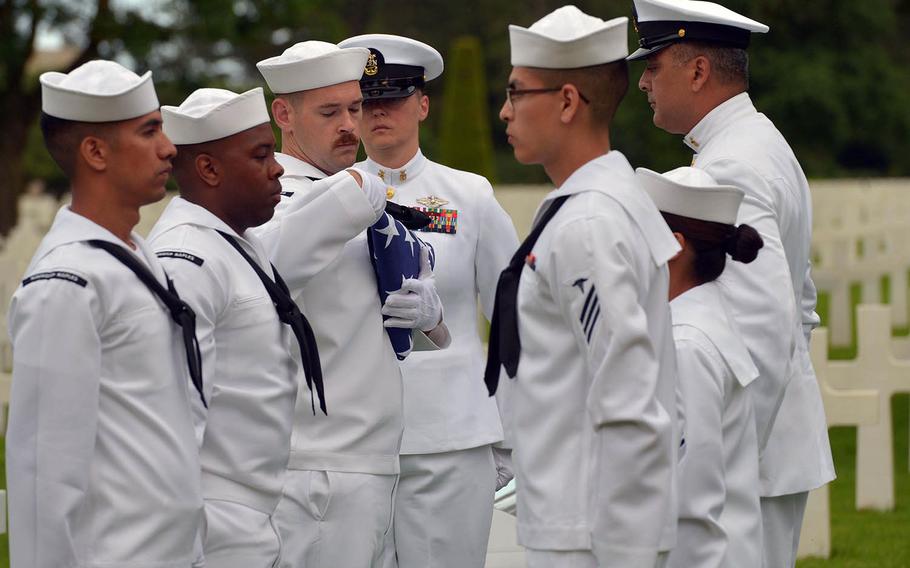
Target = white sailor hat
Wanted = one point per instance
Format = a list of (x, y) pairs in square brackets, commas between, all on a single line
[(97, 91), (311, 65), (660, 23), (397, 66), (212, 114), (567, 38), (691, 192)]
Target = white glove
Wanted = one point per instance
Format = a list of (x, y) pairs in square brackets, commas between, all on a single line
[(502, 458), (415, 305), (374, 189)]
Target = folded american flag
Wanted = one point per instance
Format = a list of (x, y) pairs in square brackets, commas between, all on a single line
[(395, 254)]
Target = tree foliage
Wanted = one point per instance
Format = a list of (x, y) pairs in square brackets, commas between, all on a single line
[(834, 76), (464, 135)]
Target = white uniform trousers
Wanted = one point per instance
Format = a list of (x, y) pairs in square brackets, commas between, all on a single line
[(572, 559), (443, 510), (237, 536), (332, 519), (782, 519)]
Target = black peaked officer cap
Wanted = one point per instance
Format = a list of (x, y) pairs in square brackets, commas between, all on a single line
[(656, 35), (383, 80)]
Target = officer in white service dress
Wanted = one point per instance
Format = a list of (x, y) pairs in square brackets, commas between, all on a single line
[(251, 350), (100, 454), (719, 511), (593, 405), (444, 502), (696, 80), (343, 469)]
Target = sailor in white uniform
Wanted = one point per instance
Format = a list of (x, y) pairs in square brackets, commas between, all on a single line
[(101, 460), (719, 511), (593, 405), (696, 81), (251, 353), (343, 469), (449, 468)]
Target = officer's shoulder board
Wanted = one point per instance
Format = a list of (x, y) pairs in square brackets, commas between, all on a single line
[(182, 255), (56, 275)]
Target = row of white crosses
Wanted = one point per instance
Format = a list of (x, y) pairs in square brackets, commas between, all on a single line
[(858, 393), (859, 229)]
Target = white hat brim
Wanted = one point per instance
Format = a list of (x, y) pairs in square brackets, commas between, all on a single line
[(284, 75), (245, 111), (716, 203), (70, 104), (605, 45)]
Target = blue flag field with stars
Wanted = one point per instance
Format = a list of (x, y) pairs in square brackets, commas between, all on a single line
[(395, 254)]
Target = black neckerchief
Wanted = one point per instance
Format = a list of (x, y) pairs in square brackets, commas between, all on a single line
[(180, 311), (505, 345), (290, 314)]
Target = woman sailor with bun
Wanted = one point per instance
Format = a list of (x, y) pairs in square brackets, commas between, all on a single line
[(719, 511)]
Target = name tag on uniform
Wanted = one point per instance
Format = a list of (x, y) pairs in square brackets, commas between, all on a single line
[(443, 220), (181, 255), (56, 275)]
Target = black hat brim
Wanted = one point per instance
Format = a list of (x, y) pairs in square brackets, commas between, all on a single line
[(644, 52)]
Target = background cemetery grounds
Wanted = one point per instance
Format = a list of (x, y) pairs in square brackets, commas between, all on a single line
[(859, 252)]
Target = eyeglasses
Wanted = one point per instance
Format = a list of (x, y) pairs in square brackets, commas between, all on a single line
[(512, 94)]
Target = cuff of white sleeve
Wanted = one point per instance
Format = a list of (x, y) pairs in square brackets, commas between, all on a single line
[(433, 340), (375, 191), (352, 198), (616, 556)]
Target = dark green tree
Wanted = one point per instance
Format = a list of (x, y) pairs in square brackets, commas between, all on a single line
[(97, 29), (464, 133)]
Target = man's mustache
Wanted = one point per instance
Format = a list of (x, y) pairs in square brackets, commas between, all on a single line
[(345, 139)]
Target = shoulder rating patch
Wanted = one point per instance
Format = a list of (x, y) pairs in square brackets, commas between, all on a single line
[(443, 220), (590, 313), (180, 254), (56, 275)]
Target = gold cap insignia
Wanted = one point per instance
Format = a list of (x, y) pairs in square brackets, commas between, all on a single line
[(372, 66), (682, 32), (432, 201)]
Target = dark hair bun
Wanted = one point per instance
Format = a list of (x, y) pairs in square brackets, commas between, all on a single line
[(743, 246)]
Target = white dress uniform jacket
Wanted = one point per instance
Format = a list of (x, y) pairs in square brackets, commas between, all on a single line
[(362, 432), (739, 146), (720, 520), (249, 366), (594, 401), (446, 405), (101, 459), (302, 236)]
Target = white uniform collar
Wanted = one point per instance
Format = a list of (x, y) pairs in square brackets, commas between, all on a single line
[(625, 189), (182, 212), (719, 118), (69, 227), (297, 168), (704, 308), (396, 177)]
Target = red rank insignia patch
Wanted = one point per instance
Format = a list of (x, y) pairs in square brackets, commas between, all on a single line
[(444, 220), (531, 261)]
